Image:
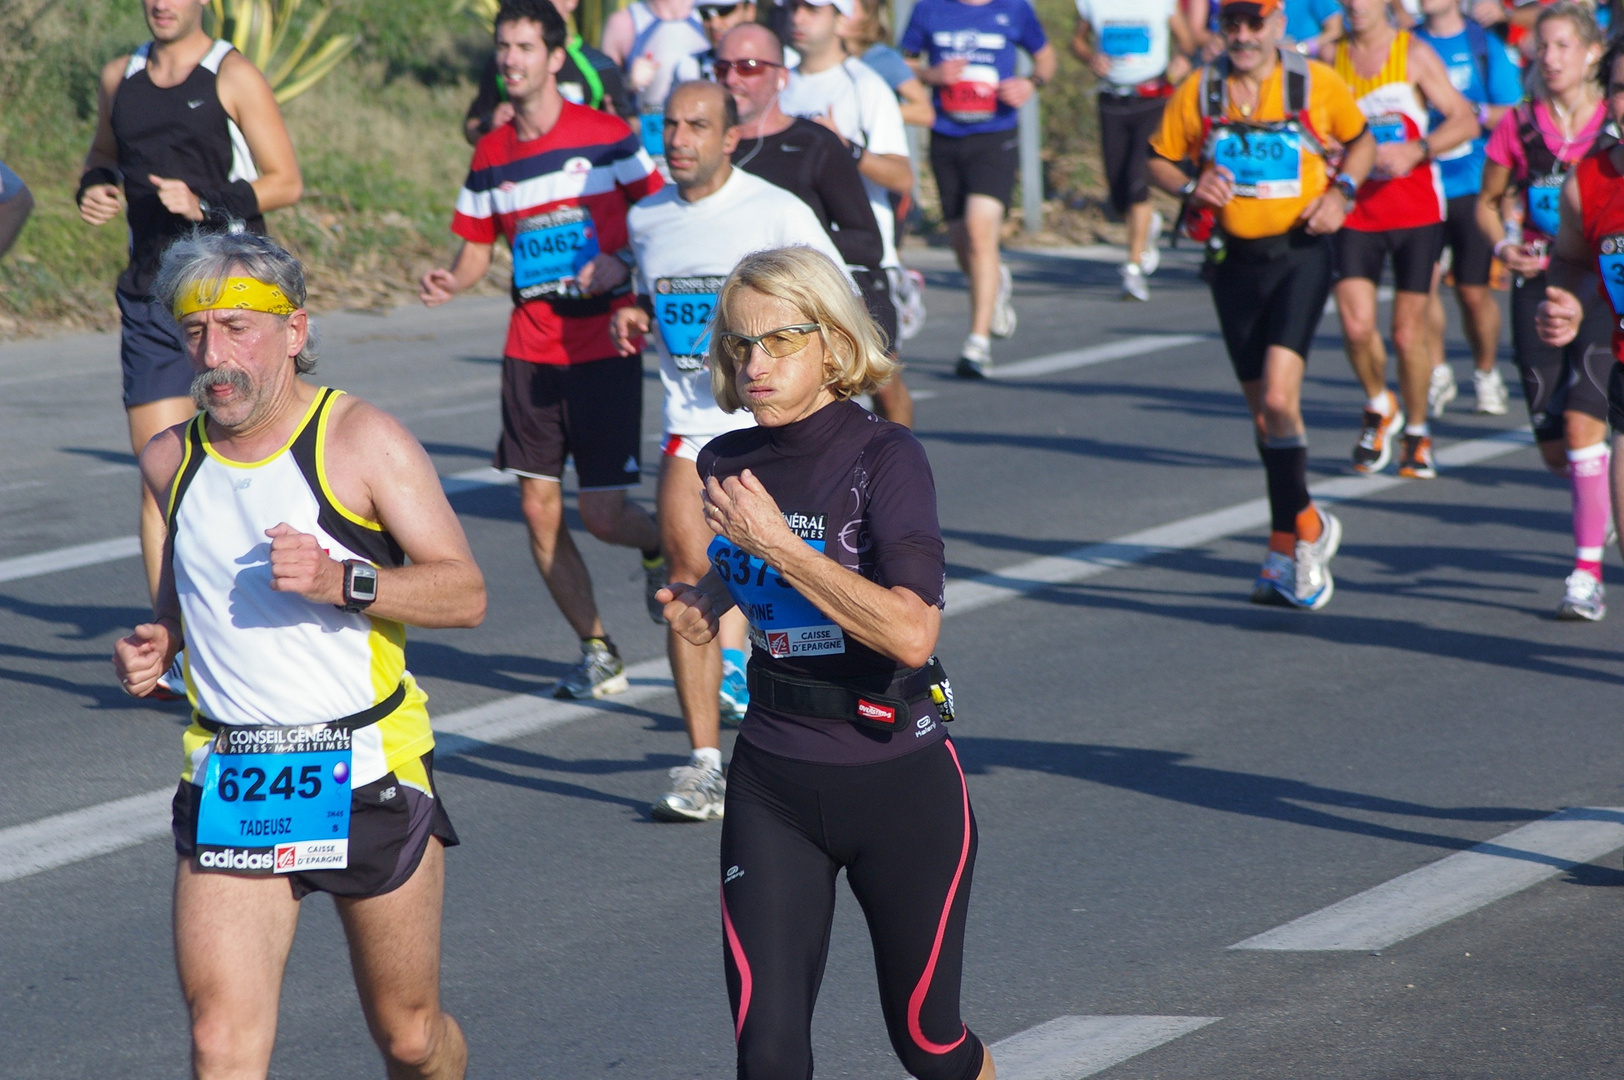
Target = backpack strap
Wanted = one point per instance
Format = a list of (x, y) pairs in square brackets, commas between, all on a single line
[(1294, 70), (1214, 89)]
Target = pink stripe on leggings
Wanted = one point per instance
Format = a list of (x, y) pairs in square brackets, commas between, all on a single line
[(917, 1000), (742, 964)]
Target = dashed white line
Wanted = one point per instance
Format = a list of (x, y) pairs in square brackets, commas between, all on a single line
[(1453, 886), (1072, 1047)]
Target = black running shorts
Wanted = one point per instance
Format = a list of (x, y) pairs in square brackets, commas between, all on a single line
[(151, 351), (1615, 398), (979, 164), (1126, 125), (1269, 292), (1558, 381), (390, 827), (592, 412), (875, 286), (1470, 253), (1414, 253), (904, 832)]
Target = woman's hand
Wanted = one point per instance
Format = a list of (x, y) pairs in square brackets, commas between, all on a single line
[(740, 509), (691, 612)]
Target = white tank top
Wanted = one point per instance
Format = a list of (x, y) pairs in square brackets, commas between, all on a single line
[(667, 42), (258, 657)]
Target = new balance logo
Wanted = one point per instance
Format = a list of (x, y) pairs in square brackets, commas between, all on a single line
[(631, 464)]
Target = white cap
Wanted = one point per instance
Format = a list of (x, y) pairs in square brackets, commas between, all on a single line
[(845, 7)]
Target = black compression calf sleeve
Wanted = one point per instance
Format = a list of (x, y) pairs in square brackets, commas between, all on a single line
[(1285, 462)]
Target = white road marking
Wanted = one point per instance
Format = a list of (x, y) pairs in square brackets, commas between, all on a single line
[(1453, 886), (69, 558), (1072, 1047), (1094, 354), (62, 839)]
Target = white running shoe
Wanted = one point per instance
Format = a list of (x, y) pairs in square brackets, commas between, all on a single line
[(1003, 314), (1313, 584), (1276, 584), (1491, 393), (597, 674), (908, 289), (697, 794), (1442, 390), (1151, 257), (1133, 283), (1585, 600), (975, 359)]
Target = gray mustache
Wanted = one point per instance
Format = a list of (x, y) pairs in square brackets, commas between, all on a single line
[(204, 380)]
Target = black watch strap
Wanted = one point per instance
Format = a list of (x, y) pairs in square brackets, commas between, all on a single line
[(360, 586)]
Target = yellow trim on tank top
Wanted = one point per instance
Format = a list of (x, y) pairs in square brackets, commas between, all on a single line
[(185, 459), (321, 473), (1394, 69), (407, 735), (230, 463)]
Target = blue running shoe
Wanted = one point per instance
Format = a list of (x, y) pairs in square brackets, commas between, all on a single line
[(1276, 584), (735, 695)]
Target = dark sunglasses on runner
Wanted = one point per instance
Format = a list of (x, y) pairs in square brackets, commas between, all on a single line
[(747, 69), (1228, 24), (785, 341), (707, 12)]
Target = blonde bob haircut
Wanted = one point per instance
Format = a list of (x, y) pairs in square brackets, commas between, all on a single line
[(853, 352)]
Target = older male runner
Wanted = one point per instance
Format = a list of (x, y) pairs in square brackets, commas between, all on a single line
[(687, 241), (1255, 122), (306, 529), (192, 131)]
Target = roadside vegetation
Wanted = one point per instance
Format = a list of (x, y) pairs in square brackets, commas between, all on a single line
[(378, 137)]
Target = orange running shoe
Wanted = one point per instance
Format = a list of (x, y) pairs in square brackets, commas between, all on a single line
[(1375, 446), (1415, 460)]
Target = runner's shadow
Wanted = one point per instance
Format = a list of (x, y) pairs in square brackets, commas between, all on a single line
[(482, 453), (88, 621), (112, 457), (1166, 774)]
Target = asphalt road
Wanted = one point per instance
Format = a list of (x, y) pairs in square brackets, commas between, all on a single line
[(1160, 769)]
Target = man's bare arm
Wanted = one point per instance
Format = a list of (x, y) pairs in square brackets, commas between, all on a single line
[(248, 99)]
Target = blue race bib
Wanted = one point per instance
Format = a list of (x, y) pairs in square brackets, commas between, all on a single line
[(276, 800), (683, 307), (1545, 203), (550, 249), (783, 623), (653, 128), (1125, 39), (1610, 261), (1267, 163), (1389, 129)]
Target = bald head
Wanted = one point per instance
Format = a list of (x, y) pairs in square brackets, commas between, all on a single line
[(701, 130), (709, 96), (752, 40)]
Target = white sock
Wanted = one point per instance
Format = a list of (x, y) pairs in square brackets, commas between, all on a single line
[(1416, 429), (707, 757), (980, 339), (1377, 403)]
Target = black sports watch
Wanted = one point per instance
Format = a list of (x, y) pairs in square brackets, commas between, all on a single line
[(1344, 183), (360, 586)]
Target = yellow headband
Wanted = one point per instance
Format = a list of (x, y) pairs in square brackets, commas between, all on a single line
[(239, 293)]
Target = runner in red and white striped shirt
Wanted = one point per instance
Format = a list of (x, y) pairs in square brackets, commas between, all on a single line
[(556, 182)]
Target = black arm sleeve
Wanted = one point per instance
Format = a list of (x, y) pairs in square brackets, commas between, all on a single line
[(234, 202), (851, 218), (485, 101), (91, 178)]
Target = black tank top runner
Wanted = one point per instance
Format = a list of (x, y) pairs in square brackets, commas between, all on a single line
[(180, 132)]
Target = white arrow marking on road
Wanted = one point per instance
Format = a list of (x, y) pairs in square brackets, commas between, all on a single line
[(1454, 886), (64, 839), (1072, 1047)]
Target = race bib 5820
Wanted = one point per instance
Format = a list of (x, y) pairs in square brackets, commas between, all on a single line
[(683, 308)]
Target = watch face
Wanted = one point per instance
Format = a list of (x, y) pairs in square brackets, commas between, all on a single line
[(363, 583)]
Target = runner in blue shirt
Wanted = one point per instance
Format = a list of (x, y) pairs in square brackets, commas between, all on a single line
[(965, 49), (1480, 68), (1312, 23)]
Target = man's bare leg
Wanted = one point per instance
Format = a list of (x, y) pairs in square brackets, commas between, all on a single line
[(615, 519), (893, 402), (975, 239), (395, 951), (557, 557), (1480, 319), (696, 669), (1367, 355), (1414, 358), (232, 936), (146, 421), (1138, 218)]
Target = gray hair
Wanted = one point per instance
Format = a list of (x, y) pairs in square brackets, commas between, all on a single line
[(212, 257)]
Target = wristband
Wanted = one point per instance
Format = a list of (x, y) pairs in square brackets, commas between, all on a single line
[(628, 257), (1037, 81), (91, 178), (1504, 243), (857, 151), (1345, 184), (234, 202), (1187, 190), (1426, 151)]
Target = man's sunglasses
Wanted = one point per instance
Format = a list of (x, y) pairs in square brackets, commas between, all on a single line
[(747, 69), (785, 341), (1229, 24), (707, 12)]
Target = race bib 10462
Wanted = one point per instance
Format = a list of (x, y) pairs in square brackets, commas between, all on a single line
[(683, 308), (276, 800), (550, 249)]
